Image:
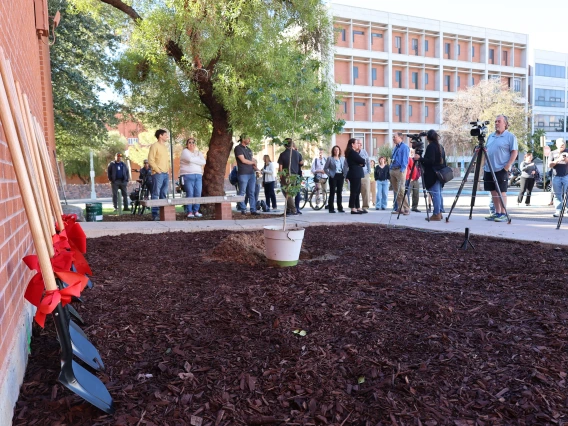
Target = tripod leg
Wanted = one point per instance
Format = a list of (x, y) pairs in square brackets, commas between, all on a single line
[(468, 171), (475, 182), (466, 242), (406, 186), (425, 192), (496, 184), (564, 200)]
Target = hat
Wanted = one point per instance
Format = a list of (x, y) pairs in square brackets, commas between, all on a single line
[(119, 155), (145, 161)]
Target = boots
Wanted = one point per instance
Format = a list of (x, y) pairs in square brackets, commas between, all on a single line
[(436, 217)]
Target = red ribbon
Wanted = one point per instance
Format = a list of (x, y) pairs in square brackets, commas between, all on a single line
[(75, 233)]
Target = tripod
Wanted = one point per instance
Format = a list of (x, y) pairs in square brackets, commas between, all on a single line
[(407, 187), (564, 200), (478, 153)]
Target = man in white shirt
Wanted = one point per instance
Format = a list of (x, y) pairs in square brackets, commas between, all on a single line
[(317, 170)]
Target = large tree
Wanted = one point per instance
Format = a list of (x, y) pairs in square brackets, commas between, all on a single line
[(213, 68), (484, 102), (81, 64)]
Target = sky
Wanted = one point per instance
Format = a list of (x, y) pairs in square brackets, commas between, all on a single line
[(545, 22)]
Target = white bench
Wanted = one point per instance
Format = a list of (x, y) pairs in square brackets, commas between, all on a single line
[(168, 205)]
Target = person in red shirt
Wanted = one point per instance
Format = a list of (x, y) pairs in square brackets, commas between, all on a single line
[(413, 185)]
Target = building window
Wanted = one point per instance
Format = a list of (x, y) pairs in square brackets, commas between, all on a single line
[(373, 74), (355, 73), (426, 111), (517, 84), (447, 82), (549, 98), (491, 56), (415, 46), (358, 104), (398, 112), (425, 78), (415, 79), (545, 70), (357, 33), (459, 81), (425, 45), (505, 57), (410, 110), (343, 34), (447, 49), (132, 141), (344, 104), (376, 106), (472, 52), (552, 123), (398, 78), (398, 43), (375, 35), (472, 80), (459, 49)]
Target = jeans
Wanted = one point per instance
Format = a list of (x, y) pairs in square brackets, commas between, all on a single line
[(247, 185), (436, 192), (382, 194), (559, 186), (270, 194), (159, 190), (192, 185)]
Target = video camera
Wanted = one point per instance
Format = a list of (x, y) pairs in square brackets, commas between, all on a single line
[(417, 142), (479, 128)]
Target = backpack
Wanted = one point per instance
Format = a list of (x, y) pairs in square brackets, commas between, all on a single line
[(234, 176)]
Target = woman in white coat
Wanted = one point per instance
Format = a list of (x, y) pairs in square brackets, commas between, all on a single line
[(268, 182), (191, 172)]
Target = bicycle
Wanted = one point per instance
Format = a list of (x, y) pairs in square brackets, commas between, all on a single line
[(141, 193), (313, 193)]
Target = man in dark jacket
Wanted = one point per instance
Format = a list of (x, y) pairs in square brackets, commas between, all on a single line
[(118, 174)]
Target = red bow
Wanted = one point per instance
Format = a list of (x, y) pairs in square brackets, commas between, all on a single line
[(75, 233)]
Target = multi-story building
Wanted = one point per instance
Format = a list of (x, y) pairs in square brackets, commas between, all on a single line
[(547, 93), (394, 72)]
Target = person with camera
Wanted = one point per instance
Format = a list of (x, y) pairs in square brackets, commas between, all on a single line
[(502, 150), (529, 172), (399, 163), (191, 165), (355, 172), (335, 169), (434, 159), (118, 175), (559, 167)]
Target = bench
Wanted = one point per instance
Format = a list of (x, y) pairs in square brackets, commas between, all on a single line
[(168, 205)]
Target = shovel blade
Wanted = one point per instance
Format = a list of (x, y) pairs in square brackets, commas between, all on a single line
[(86, 385), (73, 312), (83, 348)]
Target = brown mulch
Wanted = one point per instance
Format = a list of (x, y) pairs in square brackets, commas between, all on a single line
[(375, 327)]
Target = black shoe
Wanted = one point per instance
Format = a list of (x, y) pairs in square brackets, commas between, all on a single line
[(356, 212), (255, 213), (341, 210), (299, 212), (326, 207), (243, 212), (332, 211), (363, 211), (416, 210)]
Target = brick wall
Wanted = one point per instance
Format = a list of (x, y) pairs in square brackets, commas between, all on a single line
[(29, 58)]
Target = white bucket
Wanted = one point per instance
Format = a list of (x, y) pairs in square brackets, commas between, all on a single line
[(282, 248)]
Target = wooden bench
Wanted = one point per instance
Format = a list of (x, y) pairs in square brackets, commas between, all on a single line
[(168, 205)]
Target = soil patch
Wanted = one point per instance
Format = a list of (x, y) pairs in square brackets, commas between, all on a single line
[(246, 248), (379, 327)]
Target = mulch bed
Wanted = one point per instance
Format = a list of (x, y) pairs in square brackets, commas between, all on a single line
[(375, 326)]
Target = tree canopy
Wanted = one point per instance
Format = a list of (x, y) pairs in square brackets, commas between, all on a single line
[(484, 102), (213, 68), (80, 64)]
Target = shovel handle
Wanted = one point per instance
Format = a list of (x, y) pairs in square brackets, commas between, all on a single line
[(23, 180)]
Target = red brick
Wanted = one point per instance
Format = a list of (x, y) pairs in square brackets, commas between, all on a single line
[(223, 211)]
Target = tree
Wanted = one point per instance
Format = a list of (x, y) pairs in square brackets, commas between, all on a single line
[(80, 64), (534, 143), (215, 68), (484, 102)]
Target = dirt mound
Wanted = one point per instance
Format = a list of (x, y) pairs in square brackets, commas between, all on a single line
[(243, 248)]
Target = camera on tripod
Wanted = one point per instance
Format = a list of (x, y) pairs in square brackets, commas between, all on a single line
[(479, 128), (416, 142)]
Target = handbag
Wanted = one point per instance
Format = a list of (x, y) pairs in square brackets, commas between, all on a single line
[(445, 174)]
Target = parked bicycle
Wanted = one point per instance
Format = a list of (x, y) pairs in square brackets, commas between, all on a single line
[(311, 192), (139, 194)]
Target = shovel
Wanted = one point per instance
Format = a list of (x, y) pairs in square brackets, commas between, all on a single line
[(81, 345), (72, 376)]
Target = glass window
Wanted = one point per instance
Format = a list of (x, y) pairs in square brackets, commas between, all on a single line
[(397, 41), (425, 78), (553, 123), (459, 49), (415, 79), (472, 80), (357, 33), (492, 56), (473, 51), (375, 35), (410, 110), (459, 81), (376, 106), (398, 77), (505, 57), (426, 111), (132, 141), (415, 45), (517, 84), (358, 104), (355, 72), (447, 82), (398, 111), (425, 45), (344, 104), (545, 70), (549, 98), (343, 35), (447, 49), (374, 74)]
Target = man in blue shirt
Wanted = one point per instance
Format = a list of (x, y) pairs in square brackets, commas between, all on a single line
[(399, 162), (118, 175), (502, 150)]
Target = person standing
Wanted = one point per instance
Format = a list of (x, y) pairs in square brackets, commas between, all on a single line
[(382, 178), (191, 171), (373, 197), (268, 182), (158, 158), (413, 183), (502, 150), (397, 171), (298, 196), (355, 173), (559, 166), (246, 168), (366, 181), (289, 161), (528, 175), (146, 178), (334, 167), (434, 159), (118, 175), (319, 172)]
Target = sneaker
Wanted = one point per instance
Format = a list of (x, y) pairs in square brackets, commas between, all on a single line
[(156, 219), (275, 211), (243, 212), (190, 215), (197, 214), (501, 218), (556, 214), (492, 216), (255, 213)]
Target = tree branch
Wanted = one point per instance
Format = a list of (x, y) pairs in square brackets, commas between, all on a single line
[(123, 7)]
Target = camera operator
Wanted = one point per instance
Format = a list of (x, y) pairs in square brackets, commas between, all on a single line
[(398, 167), (146, 176), (559, 167), (502, 149), (434, 159)]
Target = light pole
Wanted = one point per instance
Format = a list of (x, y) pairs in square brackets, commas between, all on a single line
[(92, 174)]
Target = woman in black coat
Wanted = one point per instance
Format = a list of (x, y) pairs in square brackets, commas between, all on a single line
[(434, 159), (355, 173)]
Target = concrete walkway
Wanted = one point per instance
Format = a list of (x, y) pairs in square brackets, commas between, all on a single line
[(542, 230)]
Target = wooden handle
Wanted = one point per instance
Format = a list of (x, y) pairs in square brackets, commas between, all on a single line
[(23, 181)]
